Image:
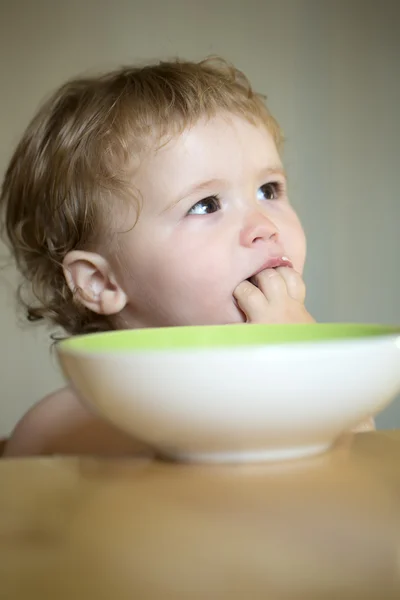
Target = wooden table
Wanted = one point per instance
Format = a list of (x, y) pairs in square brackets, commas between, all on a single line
[(322, 528)]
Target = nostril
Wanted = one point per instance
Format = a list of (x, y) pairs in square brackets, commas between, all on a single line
[(258, 239)]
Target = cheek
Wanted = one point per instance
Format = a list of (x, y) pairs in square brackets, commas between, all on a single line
[(165, 273), (192, 283), (301, 255), (195, 258), (196, 270), (294, 241)]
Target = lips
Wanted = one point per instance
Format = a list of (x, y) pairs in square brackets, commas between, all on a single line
[(272, 263)]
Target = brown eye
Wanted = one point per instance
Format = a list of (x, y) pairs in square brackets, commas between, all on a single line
[(206, 206), (269, 191)]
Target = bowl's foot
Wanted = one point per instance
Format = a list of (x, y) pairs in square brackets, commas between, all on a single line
[(252, 456)]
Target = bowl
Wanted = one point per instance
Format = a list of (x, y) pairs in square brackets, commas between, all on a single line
[(236, 393)]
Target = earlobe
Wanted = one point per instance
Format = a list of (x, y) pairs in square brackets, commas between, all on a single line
[(91, 280)]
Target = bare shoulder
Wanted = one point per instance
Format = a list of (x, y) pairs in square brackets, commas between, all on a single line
[(60, 424)]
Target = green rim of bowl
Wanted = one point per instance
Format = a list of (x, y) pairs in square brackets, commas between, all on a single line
[(220, 336)]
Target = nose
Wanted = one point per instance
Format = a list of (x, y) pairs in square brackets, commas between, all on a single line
[(257, 228)]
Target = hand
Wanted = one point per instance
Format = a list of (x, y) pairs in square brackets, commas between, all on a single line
[(278, 297)]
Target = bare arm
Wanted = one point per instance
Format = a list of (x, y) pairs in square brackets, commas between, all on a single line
[(59, 424)]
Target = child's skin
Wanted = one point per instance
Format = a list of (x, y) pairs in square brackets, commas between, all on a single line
[(215, 213)]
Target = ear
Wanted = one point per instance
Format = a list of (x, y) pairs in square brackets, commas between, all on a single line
[(91, 280)]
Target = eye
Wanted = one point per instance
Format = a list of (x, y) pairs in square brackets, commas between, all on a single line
[(270, 191), (206, 206)]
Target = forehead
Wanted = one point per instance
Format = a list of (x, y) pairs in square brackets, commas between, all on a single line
[(223, 147)]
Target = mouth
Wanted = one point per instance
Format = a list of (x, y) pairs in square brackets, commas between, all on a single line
[(272, 263)]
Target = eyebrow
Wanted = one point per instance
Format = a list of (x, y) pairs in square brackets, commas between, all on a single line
[(200, 187), (210, 183), (276, 170)]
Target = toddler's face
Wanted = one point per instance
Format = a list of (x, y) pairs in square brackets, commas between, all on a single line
[(215, 211)]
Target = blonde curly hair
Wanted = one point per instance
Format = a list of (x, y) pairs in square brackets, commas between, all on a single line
[(74, 162)]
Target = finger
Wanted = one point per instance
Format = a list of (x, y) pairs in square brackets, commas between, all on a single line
[(294, 283), (272, 285), (251, 302)]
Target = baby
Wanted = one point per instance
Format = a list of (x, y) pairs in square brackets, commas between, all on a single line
[(148, 197)]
